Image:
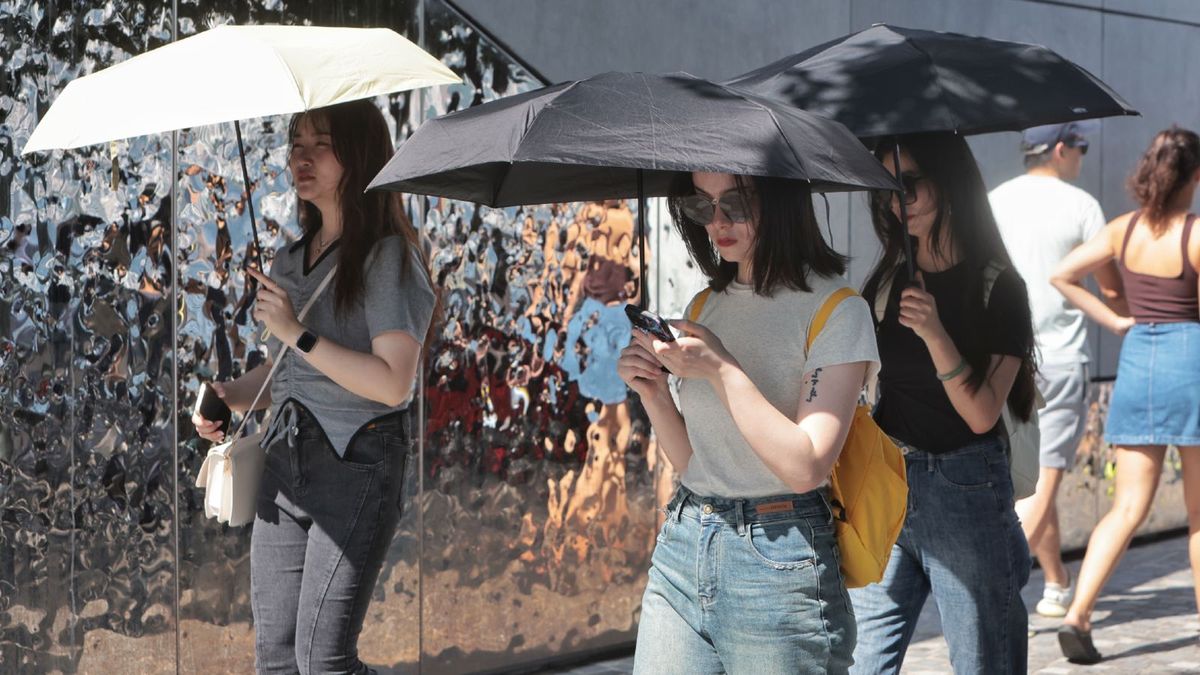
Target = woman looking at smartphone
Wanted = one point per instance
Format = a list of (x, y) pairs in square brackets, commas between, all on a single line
[(745, 575), (957, 346), (340, 431)]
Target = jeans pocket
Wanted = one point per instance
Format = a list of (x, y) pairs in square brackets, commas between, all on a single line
[(367, 450), (782, 544), (966, 472)]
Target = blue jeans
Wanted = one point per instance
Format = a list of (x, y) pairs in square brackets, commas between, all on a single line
[(745, 586), (323, 527), (961, 541)]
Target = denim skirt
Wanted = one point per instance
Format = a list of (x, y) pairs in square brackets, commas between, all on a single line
[(1156, 399)]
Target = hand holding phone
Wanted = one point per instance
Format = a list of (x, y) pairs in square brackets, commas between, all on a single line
[(650, 322), (212, 408)]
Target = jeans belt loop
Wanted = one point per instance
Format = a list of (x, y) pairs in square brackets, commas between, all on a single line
[(677, 514), (739, 508)]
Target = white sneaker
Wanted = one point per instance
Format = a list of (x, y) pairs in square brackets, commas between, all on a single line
[(1055, 600)]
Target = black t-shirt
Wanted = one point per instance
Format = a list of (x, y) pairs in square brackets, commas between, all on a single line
[(913, 405)]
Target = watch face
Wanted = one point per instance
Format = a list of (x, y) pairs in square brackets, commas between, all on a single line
[(306, 342)]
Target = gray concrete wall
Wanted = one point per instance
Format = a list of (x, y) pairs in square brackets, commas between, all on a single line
[(1142, 48)]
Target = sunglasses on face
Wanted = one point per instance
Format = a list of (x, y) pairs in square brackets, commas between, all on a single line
[(701, 209), (910, 181), (1080, 145)]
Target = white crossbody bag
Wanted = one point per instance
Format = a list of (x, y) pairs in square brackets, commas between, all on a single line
[(233, 470)]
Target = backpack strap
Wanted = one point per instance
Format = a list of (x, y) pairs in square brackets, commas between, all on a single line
[(822, 316), (698, 304), (990, 273)]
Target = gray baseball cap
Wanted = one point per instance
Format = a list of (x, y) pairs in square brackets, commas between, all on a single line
[(1036, 140)]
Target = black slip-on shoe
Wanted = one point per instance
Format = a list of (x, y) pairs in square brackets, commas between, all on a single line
[(1077, 645)]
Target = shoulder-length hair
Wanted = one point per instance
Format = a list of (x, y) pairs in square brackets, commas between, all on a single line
[(787, 242), (362, 144), (1172, 159), (965, 223)]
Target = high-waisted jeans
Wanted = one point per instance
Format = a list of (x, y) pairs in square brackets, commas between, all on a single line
[(962, 544), (745, 586), (323, 527)]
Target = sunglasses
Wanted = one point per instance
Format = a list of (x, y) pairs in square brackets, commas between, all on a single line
[(910, 181), (702, 209), (1079, 145)]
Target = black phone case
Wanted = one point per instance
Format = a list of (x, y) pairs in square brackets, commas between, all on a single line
[(649, 322), (212, 408)]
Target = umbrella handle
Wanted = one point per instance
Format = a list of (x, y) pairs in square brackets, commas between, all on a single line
[(908, 252)]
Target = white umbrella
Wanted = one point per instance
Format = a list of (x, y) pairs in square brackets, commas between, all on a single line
[(231, 73)]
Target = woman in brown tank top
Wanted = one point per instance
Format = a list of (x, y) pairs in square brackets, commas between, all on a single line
[(1156, 399)]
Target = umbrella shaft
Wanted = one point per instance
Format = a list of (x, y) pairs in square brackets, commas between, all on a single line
[(237, 128)]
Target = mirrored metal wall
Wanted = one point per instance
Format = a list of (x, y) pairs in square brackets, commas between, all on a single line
[(529, 516)]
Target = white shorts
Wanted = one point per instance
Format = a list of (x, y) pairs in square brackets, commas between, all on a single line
[(1062, 420)]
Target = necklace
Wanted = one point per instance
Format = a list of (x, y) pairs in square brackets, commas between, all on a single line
[(321, 243)]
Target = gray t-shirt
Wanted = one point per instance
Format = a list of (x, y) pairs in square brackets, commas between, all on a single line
[(767, 337), (395, 297)]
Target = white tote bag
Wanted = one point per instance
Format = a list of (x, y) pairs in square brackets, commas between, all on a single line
[(232, 470)]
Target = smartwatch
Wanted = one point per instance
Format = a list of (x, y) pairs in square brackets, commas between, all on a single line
[(306, 341)]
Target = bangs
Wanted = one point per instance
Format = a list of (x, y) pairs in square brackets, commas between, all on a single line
[(317, 119)]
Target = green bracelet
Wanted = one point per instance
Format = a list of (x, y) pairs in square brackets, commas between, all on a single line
[(962, 365)]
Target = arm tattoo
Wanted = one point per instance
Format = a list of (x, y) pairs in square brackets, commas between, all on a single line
[(812, 391)]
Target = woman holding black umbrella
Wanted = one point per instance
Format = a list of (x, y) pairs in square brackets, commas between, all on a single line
[(956, 346), (745, 574)]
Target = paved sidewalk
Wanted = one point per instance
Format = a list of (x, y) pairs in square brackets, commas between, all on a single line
[(1145, 623)]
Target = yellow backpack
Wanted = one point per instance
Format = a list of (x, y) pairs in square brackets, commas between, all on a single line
[(868, 488)]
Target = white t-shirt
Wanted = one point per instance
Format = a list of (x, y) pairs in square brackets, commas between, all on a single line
[(767, 337), (1042, 219)]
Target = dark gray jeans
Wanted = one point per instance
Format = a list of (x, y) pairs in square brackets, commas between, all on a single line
[(323, 527)]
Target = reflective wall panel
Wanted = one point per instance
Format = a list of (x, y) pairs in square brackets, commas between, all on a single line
[(87, 515), (538, 492)]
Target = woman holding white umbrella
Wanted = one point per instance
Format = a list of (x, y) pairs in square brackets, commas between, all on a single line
[(340, 432)]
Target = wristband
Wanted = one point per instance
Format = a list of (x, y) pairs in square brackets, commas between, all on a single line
[(946, 377)]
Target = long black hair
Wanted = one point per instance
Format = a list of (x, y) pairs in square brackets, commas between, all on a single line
[(787, 242), (964, 223), (362, 144)]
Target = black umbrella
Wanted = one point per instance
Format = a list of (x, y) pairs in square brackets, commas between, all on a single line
[(889, 80), (622, 135)]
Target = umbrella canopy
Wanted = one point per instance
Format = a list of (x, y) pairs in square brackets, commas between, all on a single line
[(601, 137), (231, 73), (891, 80)]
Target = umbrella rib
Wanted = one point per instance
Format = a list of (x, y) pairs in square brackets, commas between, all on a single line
[(775, 121)]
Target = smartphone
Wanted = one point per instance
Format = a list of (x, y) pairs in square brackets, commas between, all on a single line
[(650, 322), (212, 408)]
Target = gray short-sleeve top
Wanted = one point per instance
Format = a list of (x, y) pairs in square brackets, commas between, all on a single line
[(397, 296)]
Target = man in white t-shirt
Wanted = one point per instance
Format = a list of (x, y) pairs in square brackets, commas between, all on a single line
[(1042, 218)]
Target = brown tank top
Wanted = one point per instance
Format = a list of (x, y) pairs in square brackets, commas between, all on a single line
[(1154, 299)]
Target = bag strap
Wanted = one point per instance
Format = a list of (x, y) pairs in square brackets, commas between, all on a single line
[(990, 273), (283, 350), (698, 304), (822, 316)]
